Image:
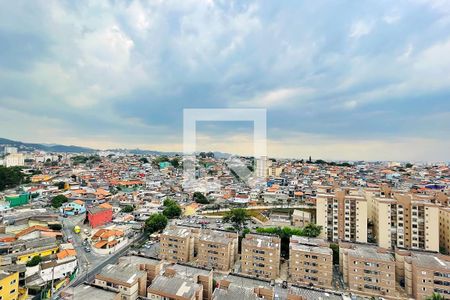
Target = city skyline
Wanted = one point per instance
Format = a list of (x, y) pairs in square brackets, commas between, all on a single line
[(340, 81)]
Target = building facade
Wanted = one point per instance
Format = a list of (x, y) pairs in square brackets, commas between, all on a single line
[(260, 256)]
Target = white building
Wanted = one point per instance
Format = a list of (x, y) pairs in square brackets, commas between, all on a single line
[(13, 160)]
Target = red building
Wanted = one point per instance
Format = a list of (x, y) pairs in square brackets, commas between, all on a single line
[(100, 215)]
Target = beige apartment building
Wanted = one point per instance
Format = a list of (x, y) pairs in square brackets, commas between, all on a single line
[(310, 262), (368, 270), (425, 274), (260, 256), (177, 244), (342, 213), (444, 229), (405, 222), (217, 249)]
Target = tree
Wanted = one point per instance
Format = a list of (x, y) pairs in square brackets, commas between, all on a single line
[(144, 160), (128, 209), (408, 165), (10, 177), (34, 261), (312, 230), (61, 185), (175, 162), (200, 198), (172, 211), (435, 296), (156, 222), (55, 226), (237, 216), (58, 201)]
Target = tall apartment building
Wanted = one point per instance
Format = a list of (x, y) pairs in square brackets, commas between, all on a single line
[(342, 213), (177, 244), (444, 229), (310, 261), (405, 222), (367, 270), (260, 256), (217, 249), (426, 274)]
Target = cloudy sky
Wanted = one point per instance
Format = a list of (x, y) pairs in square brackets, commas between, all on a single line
[(339, 79)]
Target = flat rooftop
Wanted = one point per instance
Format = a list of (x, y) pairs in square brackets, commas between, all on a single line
[(84, 291), (126, 273), (261, 241), (174, 286)]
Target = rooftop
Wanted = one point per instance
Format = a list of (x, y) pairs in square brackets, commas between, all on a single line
[(174, 286)]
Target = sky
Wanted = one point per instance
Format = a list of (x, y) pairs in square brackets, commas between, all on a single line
[(342, 80)]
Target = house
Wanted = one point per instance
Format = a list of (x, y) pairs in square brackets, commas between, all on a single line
[(107, 240), (74, 208), (99, 215)]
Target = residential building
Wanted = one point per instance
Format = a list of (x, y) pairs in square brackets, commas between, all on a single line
[(367, 270), (85, 291), (169, 286), (342, 213), (427, 273), (444, 229), (14, 160), (9, 285), (123, 278), (310, 262), (177, 244), (217, 249), (260, 256), (73, 208), (99, 215), (406, 222)]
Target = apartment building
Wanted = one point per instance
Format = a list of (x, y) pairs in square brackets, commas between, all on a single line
[(150, 265), (367, 270), (123, 278), (406, 222), (426, 274), (342, 213), (217, 249), (177, 244), (260, 256), (444, 229), (310, 262)]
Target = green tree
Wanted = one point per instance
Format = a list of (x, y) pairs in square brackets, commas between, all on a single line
[(10, 177), (175, 162), (58, 201), (144, 160), (408, 165), (312, 230), (435, 296), (172, 211), (156, 222), (61, 185), (34, 261), (200, 198), (128, 209), (237, 216)]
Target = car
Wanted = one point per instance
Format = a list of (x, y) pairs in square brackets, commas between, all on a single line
[(87, 249)]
